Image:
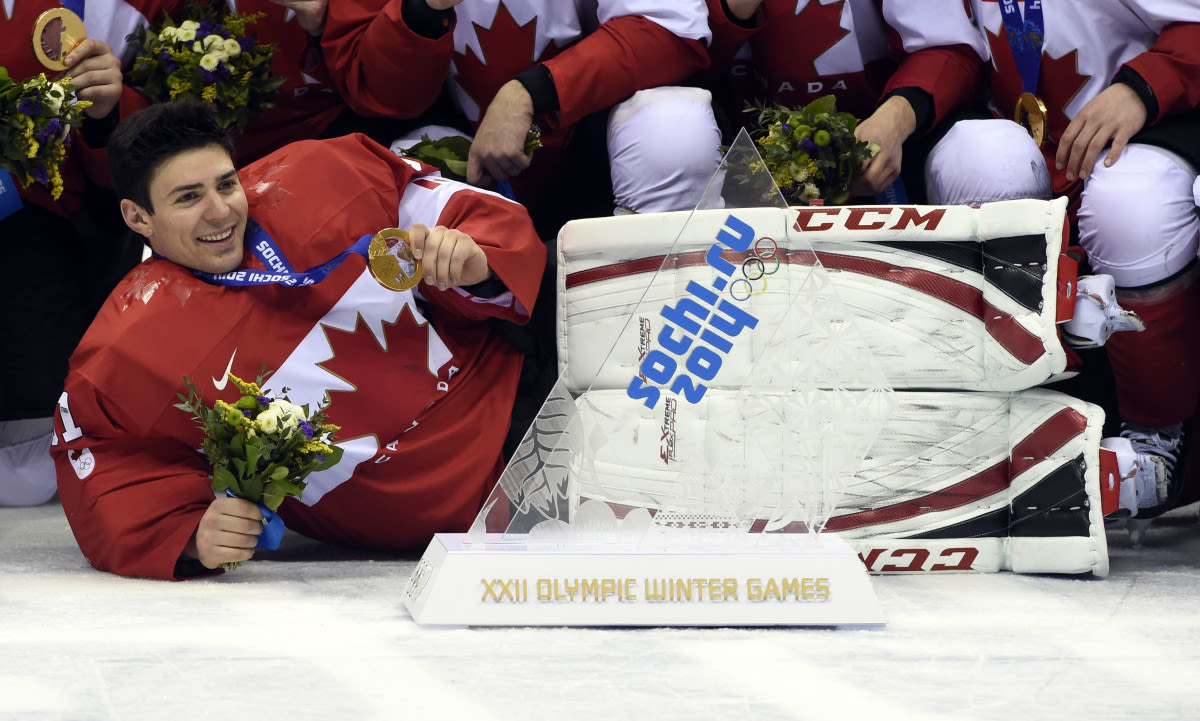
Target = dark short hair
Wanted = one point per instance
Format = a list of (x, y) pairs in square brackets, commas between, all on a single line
[(148, 138)]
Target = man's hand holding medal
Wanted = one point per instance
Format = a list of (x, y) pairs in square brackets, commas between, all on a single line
[(442, 257)]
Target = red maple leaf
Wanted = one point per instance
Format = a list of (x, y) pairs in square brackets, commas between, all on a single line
[(393, 375), (785, 52), (1059, 82), (508, 49)]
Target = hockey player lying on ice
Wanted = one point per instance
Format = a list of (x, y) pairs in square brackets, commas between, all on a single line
[(420, 385)]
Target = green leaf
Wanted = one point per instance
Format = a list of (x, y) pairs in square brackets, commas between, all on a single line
[(824, 104), (252, 489), (223, 479)]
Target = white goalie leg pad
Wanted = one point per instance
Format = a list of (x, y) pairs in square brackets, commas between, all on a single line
[(953, 481), (954, 297)]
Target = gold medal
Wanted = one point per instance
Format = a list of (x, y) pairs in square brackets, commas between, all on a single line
[(1031, 113), (390, 258), (55, 34)]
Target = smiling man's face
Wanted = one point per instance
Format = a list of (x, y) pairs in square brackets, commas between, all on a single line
[(199, 218)]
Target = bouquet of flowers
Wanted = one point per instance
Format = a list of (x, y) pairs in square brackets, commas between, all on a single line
[(449, 154), (206, 57), (36, 117), (262, 448), (811, 152)]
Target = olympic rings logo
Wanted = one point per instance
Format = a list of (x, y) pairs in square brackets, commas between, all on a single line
[(762, 262)]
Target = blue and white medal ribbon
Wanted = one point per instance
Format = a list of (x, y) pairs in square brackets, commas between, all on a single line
[(1026, 36), (280, 272)]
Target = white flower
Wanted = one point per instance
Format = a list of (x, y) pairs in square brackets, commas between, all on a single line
[(54, 95), (280, 415), (210, 61), (189, 25), (185, 34), (232, 49), (197, 47), (213, 41), (167, 33)]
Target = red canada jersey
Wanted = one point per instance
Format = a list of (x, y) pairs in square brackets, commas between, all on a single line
[(1087, 42), (306, 103), (857, 50), (421, 387)]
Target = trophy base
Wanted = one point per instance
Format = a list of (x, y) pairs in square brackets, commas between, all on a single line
[(726, 580)]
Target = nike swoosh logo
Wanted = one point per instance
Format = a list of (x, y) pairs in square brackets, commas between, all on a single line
[(220, 384)]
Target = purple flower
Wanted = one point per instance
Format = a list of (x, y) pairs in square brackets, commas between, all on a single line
[(809, 145), (306, 427), (29, 106), (40, 174), (787, 127), (246, 413), (247, 44), (208, 76), (320, 458), (164, 56), (52, 130), (205, 29), (171, 67)]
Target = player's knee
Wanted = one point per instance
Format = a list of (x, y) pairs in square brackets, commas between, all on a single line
[(979, 161), (1137, 218), (664, 147)]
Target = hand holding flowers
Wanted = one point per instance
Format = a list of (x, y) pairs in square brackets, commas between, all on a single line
[(36, 117), (261, 448)]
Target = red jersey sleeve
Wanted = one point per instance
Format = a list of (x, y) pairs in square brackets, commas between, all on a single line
[(132, 503), (1172, 68), (503, 230), (950, 75), (623, 55), (379, 65)]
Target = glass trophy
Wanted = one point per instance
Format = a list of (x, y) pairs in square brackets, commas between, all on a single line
[(715, 401)]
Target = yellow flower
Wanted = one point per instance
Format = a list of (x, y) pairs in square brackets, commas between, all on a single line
[(209, 93)]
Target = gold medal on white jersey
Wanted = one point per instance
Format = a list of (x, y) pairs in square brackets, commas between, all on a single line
[(390, 258)]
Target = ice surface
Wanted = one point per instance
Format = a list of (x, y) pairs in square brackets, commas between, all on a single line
[(313, 632)]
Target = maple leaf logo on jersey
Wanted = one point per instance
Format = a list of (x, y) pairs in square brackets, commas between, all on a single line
[(1058, 82), (507, 49), (393, 369), (787, 53)]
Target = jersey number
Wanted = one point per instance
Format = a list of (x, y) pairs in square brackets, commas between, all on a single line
[(70, 430)]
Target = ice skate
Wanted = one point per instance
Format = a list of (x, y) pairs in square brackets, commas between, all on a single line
[(1146, 458)]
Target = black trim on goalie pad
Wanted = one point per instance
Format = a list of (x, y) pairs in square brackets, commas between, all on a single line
[(1013, 265), (1056, 507)]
